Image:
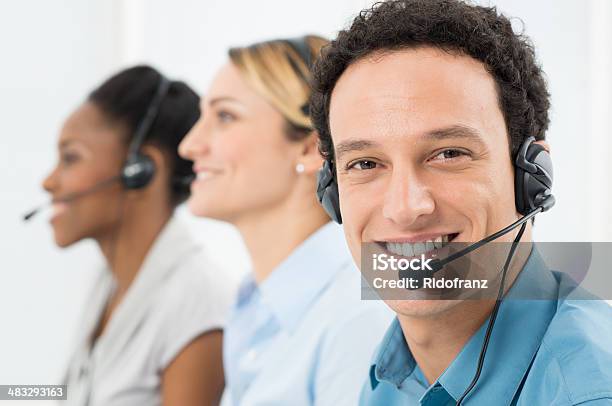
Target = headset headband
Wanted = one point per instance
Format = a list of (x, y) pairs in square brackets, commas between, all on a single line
[(301, 47), (150, 115)]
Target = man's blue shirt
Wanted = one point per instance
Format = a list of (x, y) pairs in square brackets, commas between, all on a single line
[(541, 352)]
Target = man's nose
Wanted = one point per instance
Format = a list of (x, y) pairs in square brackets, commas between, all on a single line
[(407, 198)]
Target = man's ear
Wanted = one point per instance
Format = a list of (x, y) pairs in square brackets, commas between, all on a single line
[(310, 157), (544, 144)]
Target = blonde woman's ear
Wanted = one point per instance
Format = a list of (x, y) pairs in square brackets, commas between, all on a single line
[(310, 160)]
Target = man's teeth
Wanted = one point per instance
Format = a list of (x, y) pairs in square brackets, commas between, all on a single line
[(407, 249)]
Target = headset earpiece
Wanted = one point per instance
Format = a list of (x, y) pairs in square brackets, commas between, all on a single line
[(533, 177), (137, 172), (139, 169), (327, 191)]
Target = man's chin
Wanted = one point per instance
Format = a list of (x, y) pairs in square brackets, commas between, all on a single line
[(421, 308)]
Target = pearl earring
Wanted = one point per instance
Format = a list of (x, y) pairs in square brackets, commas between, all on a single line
[(299, 168)]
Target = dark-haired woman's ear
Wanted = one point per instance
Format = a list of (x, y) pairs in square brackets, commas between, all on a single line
[(158, 156), (310, 160)]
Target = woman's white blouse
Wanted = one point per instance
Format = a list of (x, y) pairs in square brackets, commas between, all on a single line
[(177, 295)]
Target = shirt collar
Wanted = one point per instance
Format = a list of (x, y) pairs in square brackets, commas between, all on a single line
[(246, 290), (302, 276), (509, 354), (393, 361)]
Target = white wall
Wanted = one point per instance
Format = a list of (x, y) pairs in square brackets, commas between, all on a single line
[(573, 40), (52, 53)]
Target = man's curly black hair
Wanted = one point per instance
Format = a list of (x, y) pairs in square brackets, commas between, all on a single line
[(452, 26)]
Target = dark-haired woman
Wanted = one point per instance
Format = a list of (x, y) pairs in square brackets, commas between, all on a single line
[(151, 332)]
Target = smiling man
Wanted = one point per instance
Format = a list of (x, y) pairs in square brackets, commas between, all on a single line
[(424, 110)]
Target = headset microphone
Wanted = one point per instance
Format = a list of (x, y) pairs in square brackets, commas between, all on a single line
[(32, 213), (73, 196), (183, 181), (437, 264)]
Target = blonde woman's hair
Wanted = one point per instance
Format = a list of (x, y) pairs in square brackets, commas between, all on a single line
[(277, 71)]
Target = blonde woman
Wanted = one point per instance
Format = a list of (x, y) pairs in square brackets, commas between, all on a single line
[(299, 333)]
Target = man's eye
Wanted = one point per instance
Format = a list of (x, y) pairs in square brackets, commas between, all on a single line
[(362, 165), (449, 154)]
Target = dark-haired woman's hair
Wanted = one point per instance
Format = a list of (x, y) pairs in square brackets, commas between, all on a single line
[(125, 97)]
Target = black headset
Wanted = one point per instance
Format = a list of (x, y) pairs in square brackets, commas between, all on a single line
[(301, 47), (139, 169), (533, 178)]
